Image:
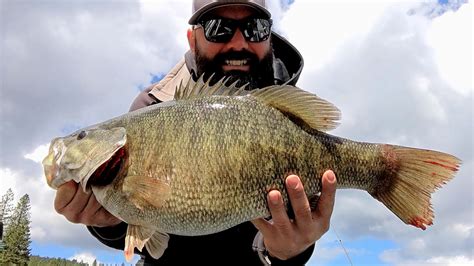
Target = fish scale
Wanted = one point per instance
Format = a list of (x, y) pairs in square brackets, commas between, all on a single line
[(206, 161)]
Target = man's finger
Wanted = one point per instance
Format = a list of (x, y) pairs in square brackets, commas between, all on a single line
[(73, 210), (64, 195), (280, 218), (262, 225), (328, 195), (90, 211), (299, 201)]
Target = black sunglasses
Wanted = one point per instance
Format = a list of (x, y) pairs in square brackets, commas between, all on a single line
[(221, 30)]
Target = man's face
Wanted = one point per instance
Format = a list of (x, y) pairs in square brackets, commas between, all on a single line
[(247, 62)]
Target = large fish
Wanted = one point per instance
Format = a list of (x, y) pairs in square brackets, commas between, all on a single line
[(205, 162)]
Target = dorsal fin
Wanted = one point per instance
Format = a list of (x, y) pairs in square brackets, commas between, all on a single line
[(198, 89), (297, 104), (301, 105)]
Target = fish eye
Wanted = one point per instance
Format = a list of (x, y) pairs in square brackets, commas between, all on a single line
[(81, 135)]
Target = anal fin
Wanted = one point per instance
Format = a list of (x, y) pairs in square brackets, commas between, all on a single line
[(139, 237), (136, 237)]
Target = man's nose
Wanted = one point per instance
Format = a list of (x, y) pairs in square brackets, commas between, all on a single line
[(238, 42)]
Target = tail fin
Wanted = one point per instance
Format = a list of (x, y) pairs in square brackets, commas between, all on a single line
[(420, 173)]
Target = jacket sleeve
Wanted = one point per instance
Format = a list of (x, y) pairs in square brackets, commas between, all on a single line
[(143, 99)]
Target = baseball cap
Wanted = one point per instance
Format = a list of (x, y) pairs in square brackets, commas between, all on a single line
[(200, 7)]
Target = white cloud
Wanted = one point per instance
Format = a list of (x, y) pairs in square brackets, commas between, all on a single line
[(452, 261), (393, 257), (67, 65), (381, 67), (320, 28), (9, 180), (38, 154), (452, 49), (76, 55), (325, 254), (84, 257)]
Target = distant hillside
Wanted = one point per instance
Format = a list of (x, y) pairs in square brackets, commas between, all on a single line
[(40, 261)]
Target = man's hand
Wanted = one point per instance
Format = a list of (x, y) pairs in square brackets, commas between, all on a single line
[(80, 207), (285, 238)]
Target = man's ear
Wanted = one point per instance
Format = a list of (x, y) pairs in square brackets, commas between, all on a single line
[(191, 39)]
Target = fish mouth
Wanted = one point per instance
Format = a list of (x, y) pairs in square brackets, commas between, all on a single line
[(51, 170), (103, 175), (51, 163), (110, 169)]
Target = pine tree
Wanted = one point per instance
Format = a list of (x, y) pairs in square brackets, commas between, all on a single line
[(17, 236), (6, 206)]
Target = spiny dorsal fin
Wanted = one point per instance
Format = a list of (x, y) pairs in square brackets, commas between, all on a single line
[(198, 89), (292, 101)]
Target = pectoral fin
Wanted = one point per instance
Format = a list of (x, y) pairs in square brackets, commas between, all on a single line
[(145, 191)]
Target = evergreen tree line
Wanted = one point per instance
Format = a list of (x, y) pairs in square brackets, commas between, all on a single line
[(40, 261), (15, 236), (15, 233)]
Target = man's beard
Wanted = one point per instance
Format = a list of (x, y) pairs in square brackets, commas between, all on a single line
[(260, 72)]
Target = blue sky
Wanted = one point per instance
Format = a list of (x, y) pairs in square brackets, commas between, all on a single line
[(401, 72)]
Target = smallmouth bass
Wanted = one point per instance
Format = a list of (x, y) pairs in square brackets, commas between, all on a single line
[(205, 162)]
